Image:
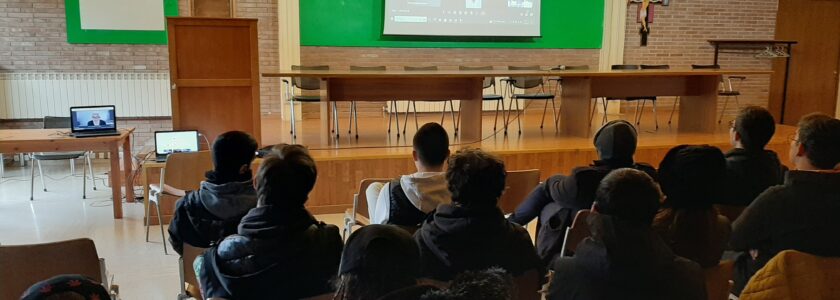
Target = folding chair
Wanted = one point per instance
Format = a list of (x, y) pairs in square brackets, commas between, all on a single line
[(719, 280), (518, 185), (576, 233), (21, 266), (359, 215)]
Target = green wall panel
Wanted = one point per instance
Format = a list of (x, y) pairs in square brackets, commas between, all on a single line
[(77, 35), (570, 24)]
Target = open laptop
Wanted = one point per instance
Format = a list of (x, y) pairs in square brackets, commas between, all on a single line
[(93, 121), (179, 141)]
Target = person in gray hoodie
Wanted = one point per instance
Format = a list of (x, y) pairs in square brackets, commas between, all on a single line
[(407, 200), (208, 215)]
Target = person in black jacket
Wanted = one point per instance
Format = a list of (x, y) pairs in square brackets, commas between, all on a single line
[(558, 199), (802, 213), (280, 251), (750, 168), (471, 233), (624, 258), (204, 217)]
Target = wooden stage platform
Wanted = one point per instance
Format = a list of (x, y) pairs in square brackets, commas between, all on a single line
[(376, 154)]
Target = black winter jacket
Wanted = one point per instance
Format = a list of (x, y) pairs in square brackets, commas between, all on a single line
[(750, 173)]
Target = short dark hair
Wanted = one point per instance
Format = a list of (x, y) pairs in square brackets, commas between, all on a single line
[(756, 127), (819, 134), (629, 195), (432, 144), (232, 150), (490, 284), (692, 177), (377, 260), (475, 177), (286, 176)]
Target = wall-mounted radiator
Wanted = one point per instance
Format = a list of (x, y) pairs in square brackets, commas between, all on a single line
[(35, 95)]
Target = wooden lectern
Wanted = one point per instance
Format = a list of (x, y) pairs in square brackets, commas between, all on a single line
[(214, 71)]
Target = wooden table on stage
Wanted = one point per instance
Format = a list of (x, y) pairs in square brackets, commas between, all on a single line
[(52, 140), (698, 90)]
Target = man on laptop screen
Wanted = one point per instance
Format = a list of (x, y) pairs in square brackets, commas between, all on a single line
[(93, 121)]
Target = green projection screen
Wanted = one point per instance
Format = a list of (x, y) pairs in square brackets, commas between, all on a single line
[(566, 24)]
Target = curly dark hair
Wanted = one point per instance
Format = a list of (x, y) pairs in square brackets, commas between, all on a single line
[(286, 176), (490, 284), (475, 177)]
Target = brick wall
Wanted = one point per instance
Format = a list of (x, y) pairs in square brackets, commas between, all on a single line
[(680, 32), (33, 37)]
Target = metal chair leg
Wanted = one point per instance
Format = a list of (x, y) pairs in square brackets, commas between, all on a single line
[(604, 120), (32, 183), (293, 132), (90, 168), (335, 120), (397, 116), (637, 116), (416, 123), (160, 222), (350, 125), (496, 119), (41, 173), (356, 118), (148, 215), (84, 181), (452, 114), (407, 111), (655, 115), (545, 108), (674, 108), (72, 167), (725, 102), (2, 166), (390, 114), (554, 110)]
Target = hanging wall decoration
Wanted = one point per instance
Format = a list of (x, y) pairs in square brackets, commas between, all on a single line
[(645, 16)]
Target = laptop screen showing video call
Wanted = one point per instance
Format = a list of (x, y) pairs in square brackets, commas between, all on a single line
[(93, 118), (169, 142)]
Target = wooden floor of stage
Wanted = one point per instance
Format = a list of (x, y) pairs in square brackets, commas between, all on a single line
[(377, 154)]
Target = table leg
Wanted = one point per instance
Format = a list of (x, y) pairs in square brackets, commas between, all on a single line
[(129, 170), (698, 110), (471, 110), (326, 113), (116, 185), (577, 95)]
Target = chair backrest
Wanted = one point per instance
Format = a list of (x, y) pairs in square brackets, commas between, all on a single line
[(21, 266), (705, 67), (518, 184), (625, 67), (719, 280), (488, 81), (308, 83), (360, 205), (426, 68), (190, 253), (569, 68), (577, 232), (655, 67), (526, 82), (185, 171), (56, 122), (528, 285), (368, 68)]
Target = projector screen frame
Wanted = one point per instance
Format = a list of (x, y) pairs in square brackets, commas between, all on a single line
[(457, 38)]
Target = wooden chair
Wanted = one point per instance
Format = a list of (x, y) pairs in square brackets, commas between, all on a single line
[(719, 280), (21, 266), (518, 185), (183, 172), (187, 272), (359, 215), (576, 233)]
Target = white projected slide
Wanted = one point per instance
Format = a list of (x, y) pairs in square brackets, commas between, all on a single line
[(122, 14), (513, 18)]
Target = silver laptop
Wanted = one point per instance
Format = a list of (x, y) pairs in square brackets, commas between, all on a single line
[(177, 141), (93, 121)]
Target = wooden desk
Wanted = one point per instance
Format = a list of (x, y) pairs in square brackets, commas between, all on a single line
[(698, 89), (56, 140)]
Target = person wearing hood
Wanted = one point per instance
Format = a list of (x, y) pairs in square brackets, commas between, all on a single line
[(624, 258), (560, 197), (280, 251), (750, 168), (692, 178), (407, 200), (379, 261), (206, 216), (471, 233), (800, 214)]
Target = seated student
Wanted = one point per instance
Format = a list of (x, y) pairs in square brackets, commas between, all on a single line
[(407, 200), (691, 178), (280, 251), (558, 199), (802, 213), (378, 260), (490, 284), (624, 258), (471, 233), (63, 287), (206, 216), (750, 168)]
